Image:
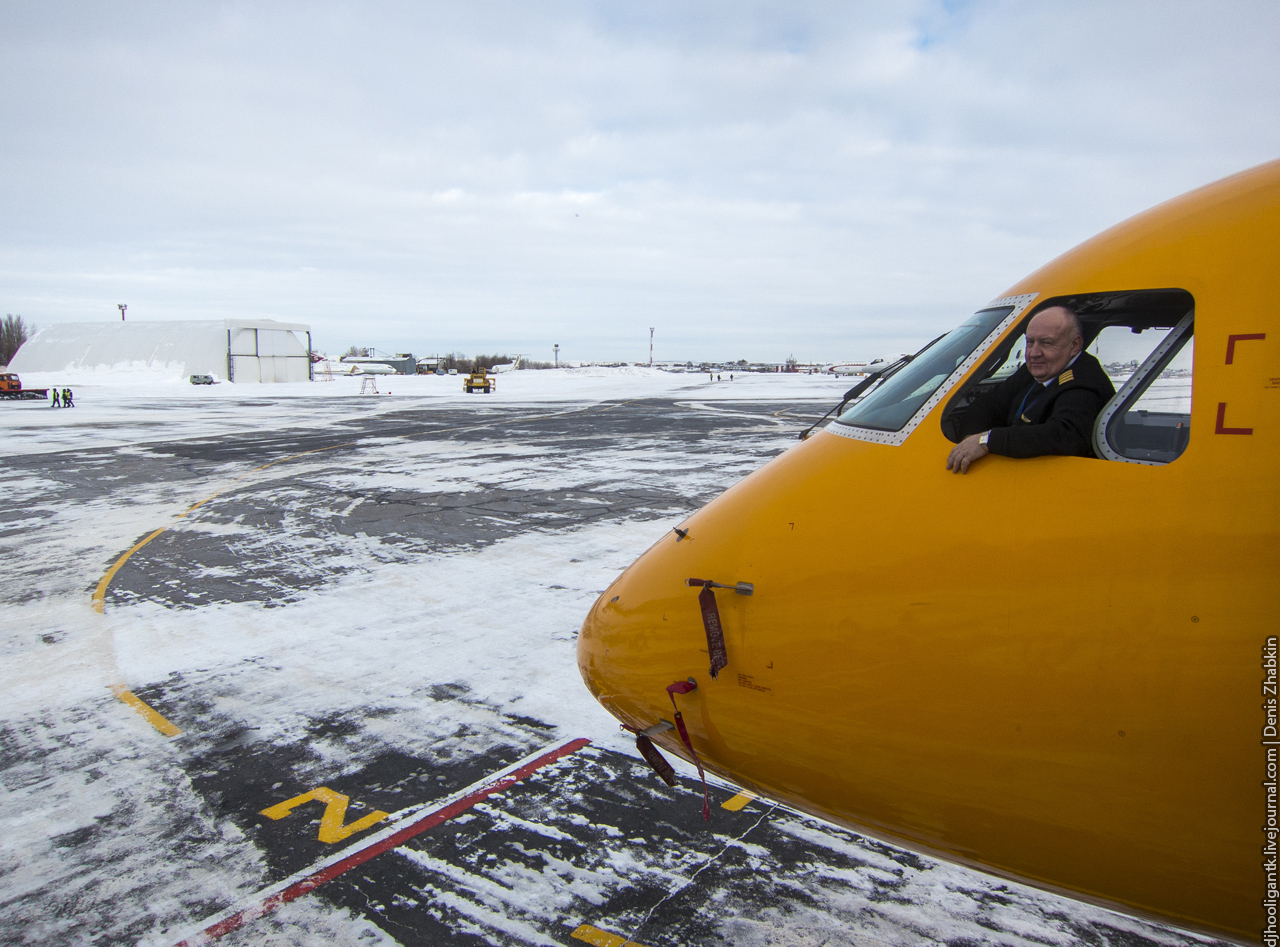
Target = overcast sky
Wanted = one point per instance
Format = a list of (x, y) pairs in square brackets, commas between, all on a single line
[(830, 180)]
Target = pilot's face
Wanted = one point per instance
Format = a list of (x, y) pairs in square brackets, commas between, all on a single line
[(1051, 343)]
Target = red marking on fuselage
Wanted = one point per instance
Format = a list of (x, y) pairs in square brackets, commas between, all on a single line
[(1233, 339), (1222, 423), (376, 846)]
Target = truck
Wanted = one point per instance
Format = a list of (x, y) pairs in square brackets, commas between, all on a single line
[(479, 380), (11, 389)]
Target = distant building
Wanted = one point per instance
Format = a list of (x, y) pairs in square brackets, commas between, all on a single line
[(238, 350)]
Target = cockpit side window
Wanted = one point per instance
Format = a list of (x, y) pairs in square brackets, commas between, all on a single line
[(1149, 419), (1142, 338)]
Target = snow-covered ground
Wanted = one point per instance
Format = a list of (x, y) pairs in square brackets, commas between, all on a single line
[(117, 408), (380, 595)]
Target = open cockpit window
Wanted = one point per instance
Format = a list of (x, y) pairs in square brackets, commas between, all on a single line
[(1143, 341), (1149, 419)]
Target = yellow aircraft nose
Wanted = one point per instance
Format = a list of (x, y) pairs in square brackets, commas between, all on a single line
[(642, 634), (652, 627), (931, 686), (1047, 667)]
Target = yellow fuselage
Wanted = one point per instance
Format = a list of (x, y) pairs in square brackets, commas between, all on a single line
[(1047, 668)]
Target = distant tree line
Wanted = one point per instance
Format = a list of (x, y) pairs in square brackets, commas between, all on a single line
[(464, 364), (461, 362), (13, 332)]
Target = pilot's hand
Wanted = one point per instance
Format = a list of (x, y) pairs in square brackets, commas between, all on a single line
[(965, 453)]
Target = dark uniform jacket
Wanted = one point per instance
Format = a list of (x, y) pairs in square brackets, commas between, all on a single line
[(1027, 419)]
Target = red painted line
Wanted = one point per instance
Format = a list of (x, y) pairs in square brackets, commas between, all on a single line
[(1233, 339), (1222, 423), (291, 891)]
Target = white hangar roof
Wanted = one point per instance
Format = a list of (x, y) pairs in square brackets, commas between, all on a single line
[(241, 350)]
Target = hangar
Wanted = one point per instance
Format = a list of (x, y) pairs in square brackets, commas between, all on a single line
[(238, 350)]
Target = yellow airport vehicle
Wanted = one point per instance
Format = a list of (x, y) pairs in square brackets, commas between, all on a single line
[(1057, 669), (479, 380)]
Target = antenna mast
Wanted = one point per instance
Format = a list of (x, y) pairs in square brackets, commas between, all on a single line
[(651, 346)]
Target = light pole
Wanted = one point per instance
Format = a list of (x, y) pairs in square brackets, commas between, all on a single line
[(122, 307), (557, 348), (651, 346)]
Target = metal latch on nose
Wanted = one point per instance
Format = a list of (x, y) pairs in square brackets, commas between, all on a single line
[(742, 588)]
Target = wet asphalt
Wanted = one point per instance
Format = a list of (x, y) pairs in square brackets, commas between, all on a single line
[(595, 836)]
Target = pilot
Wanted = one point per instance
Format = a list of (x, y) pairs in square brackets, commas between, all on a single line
[(1047, 406)]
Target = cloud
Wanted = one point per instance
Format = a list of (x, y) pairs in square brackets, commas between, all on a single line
[(831, 180)]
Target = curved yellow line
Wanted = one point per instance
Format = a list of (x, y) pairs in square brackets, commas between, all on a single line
[(100, 592)]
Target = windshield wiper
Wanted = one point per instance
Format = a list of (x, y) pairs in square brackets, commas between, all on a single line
[(860, 389)]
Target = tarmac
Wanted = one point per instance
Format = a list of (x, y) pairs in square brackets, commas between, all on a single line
[(434, 814)]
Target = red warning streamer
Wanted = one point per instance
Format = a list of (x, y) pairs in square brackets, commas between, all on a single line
[(684, 687), (711, 622)]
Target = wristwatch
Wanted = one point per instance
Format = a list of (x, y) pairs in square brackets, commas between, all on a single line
[(983, 438)]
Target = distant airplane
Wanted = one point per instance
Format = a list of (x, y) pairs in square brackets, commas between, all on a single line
[(504, 367), (860, 368), (371, 368)]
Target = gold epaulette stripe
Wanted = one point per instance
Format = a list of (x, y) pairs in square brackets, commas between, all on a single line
[(1068, 375), (1027, 419)]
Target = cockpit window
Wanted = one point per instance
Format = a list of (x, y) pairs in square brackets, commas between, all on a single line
[(890, 406), (1143, 341), (1149, 420)]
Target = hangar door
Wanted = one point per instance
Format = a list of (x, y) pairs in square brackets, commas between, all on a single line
[(267, 355)]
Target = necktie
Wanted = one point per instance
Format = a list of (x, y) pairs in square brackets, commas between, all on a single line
[(1037, 389)]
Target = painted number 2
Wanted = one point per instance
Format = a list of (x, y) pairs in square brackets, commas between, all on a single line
[(335, 811)]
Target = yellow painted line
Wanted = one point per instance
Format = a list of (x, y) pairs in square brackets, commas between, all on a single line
[(151, 716), (738, 802), (100, 593), (599, 938), (110, 574)]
